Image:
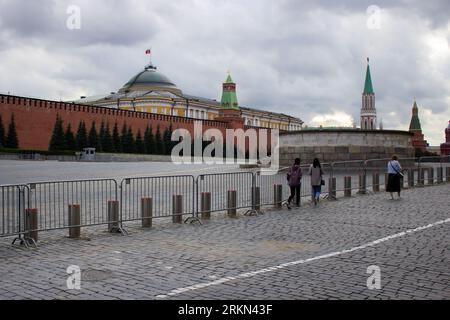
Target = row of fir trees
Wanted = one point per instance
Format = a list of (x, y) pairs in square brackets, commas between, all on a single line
[(110, 140), (9, 139)]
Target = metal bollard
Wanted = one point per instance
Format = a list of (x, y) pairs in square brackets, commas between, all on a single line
[(411, 178), (440, 176), (31, 224), (375, 182), (232, 203), (447, 174), (256, 198), (177, 201), (74, 221), (147, 212), (332, 188), (205, 205), (347, 186), (421, 179), (362, 184), (113, 216), (278, 195), (430, 176)]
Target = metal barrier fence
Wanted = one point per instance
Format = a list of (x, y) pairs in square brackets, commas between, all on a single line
[(55, 200), (376, 176), (226, 191), (348, 176), (433, 169), (13, 201), (157, 197), (266, 185), (26, 210)]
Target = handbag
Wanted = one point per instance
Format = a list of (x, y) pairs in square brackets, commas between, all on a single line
[(322, 182), (398, 173)]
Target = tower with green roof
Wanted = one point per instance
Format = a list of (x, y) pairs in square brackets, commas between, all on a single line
[(368, 110), (229, 98), (414, 125), (418, 140), (229, 108)]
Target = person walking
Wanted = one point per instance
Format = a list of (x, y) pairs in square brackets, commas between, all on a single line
[(294, 178), (316, 173), (395, 174)]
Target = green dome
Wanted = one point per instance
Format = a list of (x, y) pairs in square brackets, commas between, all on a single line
[(148, 79)]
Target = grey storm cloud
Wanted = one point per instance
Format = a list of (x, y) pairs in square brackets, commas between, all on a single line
[(304, 58)]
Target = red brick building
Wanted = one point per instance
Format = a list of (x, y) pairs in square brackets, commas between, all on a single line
[(445, 147)]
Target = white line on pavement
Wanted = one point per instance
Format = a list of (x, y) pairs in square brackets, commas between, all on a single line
[(303, 261)]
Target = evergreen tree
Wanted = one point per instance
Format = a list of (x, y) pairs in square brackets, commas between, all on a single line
[(57, 141), (82, 139), (158, 141), (167, 140), (124, 147), (69, 138), (139, 145), (131, 144), (101, 137), (117, 145), (107, 142), (12, 141), (93, 137), (149, 140), (2, 133)]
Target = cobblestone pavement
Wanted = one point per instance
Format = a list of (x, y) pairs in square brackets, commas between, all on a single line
[(197, 261)]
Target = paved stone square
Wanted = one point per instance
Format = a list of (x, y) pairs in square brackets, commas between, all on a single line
[(306, 253)]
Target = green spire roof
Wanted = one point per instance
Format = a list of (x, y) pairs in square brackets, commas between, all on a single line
[(415, 122), (229, 80), (229, 98), (368, 89)]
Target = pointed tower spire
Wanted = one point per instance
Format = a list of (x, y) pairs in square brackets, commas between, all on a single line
[(368, 111), (368, 89), (415, 122)]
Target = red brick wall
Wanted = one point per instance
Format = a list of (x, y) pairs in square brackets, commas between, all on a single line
[(35, 119), (445, 147), (419, 142)]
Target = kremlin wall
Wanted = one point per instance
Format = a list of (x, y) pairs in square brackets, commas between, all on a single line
[(35, 119)]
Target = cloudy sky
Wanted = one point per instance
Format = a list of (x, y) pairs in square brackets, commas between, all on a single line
[(304, 58)]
